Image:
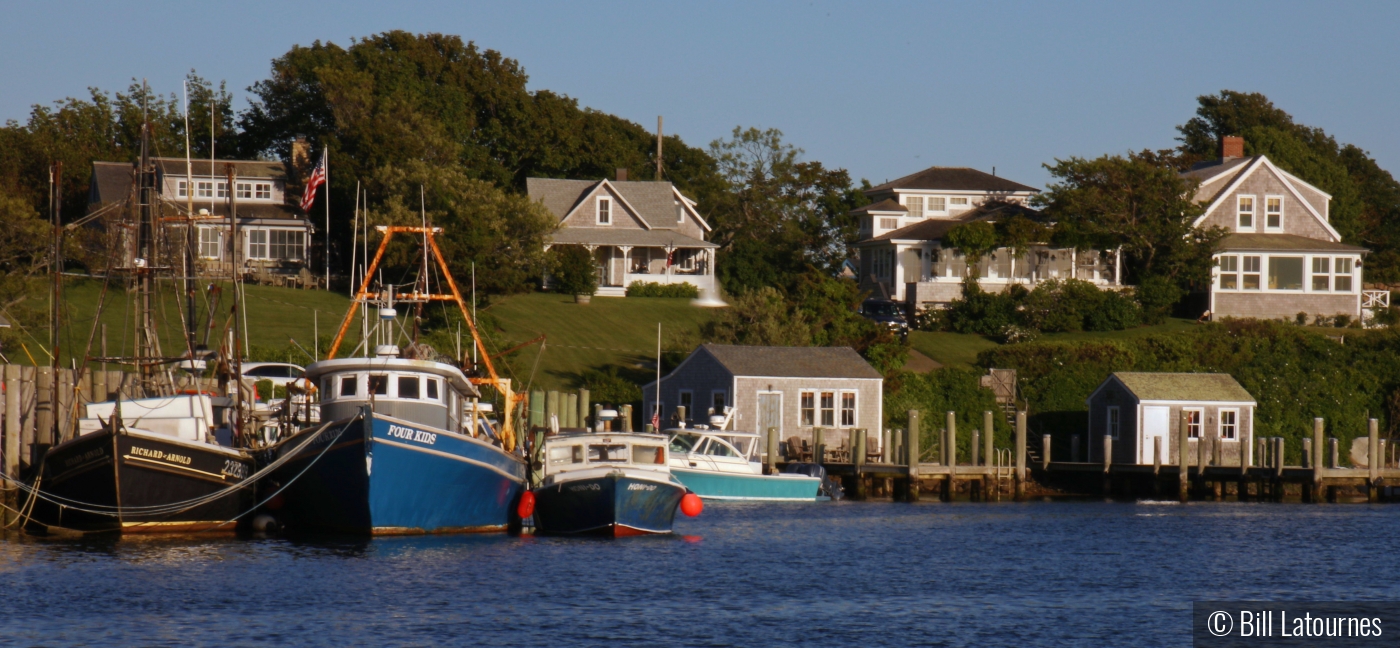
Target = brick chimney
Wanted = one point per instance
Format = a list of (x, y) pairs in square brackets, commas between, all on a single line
[(1231, 147), (622, 175)]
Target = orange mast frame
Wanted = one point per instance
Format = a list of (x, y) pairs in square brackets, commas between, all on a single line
[(361, 295)]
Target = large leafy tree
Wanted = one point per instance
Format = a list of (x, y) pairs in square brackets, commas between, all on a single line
[(1139, 202), (780, 215), (1365, 207)]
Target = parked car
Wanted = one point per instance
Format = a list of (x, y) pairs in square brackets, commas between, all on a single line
[(280, 373), (886, 312)]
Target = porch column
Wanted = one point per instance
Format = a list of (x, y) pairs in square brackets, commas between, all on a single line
[(1074, 263), (626, 262), (670, 251), (1118, 266), (897, 275)]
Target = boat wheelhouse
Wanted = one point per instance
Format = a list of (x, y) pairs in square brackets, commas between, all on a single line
[(616, 484), (427, 392)]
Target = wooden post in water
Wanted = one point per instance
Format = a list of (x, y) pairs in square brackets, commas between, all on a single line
[(988, 423), (1277, 486), (1157, 465), (63, 413), (989, 482), (583, 407), (950, 451), (911, 451), (12, 436), (1309, 488), (1107, 465), (1336, 457), (1020, 455), (858, 461), (1074, 448), (770, 459), (1373, 461), (551, 409), (626, 418), (1044, 452), (43, 406), (974, 489), (1183, 457), (818, 446)]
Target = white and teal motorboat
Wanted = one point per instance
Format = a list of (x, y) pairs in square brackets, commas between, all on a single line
[(723, 464)]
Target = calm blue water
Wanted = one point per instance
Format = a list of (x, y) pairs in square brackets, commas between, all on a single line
[(873, 573)]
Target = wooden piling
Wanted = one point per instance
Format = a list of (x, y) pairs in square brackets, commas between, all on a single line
[(911, 451), (1044, 452), (1156, 466), (1020, 455), (597, 417), (99, 387), (770, 458), (63, 413), (975, 486), (12, 430), (627, 418), (537, 418), (43, 406), (1107, 465), (950, 439), (818, 445), (988, 430), (551, 409), (1373, 461), (1336, 457), (570, 406), (1183, 457), (989, 482), (858, 436), (583, 409)]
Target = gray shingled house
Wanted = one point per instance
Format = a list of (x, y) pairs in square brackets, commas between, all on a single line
[(794, 389), (1136, 408), (636, 230)]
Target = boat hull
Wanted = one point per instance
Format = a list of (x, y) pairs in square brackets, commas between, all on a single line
[(713, 485), (612, 505), (374, 475), (128, 472)]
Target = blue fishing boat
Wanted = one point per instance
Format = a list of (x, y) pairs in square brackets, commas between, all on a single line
[(724, 465), (614, 484)]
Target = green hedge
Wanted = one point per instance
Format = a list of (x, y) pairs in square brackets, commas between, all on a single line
[(652, 289), (936, 393)]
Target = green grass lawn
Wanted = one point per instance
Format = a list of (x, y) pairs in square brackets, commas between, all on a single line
[(609, 331), (961, 349)]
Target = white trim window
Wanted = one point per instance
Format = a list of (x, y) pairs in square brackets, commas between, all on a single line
[(211, 243), (204, 189), (1229, 272), (262, 191), (223, 190), (288, 244), (1332, 274), (1195, 416), (1113, 420), (915, 205), (889, 223), (1244, 210), (244, 190), (257, 244), (937, 204), (604, 210), (686, 398), (1285, 273), (1342, 268), (1252, 266), (828, 409), (848, 409), (1229, 424), (182, 189), (958, 202), (1273, 213), (807, 408), (719, 399)]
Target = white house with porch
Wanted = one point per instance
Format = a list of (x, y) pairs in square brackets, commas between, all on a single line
[(645, 231)]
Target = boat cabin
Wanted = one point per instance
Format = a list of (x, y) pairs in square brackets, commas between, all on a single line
[(569, 452), (716, 450), (430, 393)]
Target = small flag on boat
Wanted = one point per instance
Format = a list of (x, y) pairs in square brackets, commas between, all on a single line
[(656, 419), (318, 178)]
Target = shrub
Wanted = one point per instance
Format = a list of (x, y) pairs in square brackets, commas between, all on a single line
[(606, 386), (1322, 320), (1341, 320), (1300, 319), (981, 312), (1115, 312), (929, 319), (574, 271), (653, 289), (1157, 296)]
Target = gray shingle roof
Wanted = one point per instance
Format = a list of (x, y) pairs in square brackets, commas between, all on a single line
[(932, 229), (1203, 387), (1205, 171), (111, 182), (791, 362), (242, 168), (1281, 243), (654, 202), (626, 236), (952, 179), (886, 205)]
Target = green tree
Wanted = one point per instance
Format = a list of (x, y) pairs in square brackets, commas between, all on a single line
[(572, 268), (974, 240)]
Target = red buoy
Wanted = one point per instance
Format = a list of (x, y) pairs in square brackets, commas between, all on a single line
[(527, 505), (691, 505)]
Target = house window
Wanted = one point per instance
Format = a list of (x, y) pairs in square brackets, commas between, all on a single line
[(1113, 422), (680, 212), (959, 202), (1246, 213), (264, 191), (1251, 273), (288, 244), (182, 189), (1273, 212), (915, 205), (848, 409), (1321, 274), (210, 243), (204, 189), (687, 401), (1229, 424), (808, 409), (257, 244), (937, 204), (828, 409), (605, 211), (1193, 423), (1229, 272), (1285, 273), (245, 190), (1343, 269), (717, 401), (889, 223), (223, 190)]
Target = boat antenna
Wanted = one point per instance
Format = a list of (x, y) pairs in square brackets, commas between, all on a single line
[(656, 415)]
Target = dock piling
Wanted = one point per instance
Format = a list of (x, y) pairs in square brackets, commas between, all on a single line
[(1183, 457), (570, 407), (818, 446), (770, 459), (583, 408), (1020, 455), (1074, 447), (537, 418), (858, 436), (1045, 452), (950, 452), (1156, 466), (1107, 466), (551, 409), (626, 418), (1373, 460), (911, 451), (989, 481)]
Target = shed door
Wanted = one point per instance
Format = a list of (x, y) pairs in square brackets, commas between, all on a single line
[(770, 414), (1156, 424)]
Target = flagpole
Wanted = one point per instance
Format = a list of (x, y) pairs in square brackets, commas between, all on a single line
[(326, 155)]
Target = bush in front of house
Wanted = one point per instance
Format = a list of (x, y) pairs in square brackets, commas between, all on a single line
[(1157, 296), (607, 386), (1054, 306), (574, 272), (982, 312), (653, 289)]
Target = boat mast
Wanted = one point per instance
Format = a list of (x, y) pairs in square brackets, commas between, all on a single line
[(148, 343), (190, 239), (56, 265), (235, 348)]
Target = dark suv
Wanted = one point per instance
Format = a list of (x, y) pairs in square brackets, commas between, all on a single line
[(886, 312)]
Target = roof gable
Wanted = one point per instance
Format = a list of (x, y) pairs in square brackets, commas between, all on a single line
[(953, 179), (1165, 386), (653, 203), (790, 362), (1254, 166)]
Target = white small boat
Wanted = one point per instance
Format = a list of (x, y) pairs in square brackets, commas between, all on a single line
[(724, 464)]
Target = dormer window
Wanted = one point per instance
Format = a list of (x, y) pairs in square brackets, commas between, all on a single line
[(1273, 213), (937, 204), (1246, 213), (182, 189), (605, 211), (245, 190), (262, 191), (915, 205)]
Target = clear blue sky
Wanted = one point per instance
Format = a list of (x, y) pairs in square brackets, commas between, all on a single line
[(881, 89)]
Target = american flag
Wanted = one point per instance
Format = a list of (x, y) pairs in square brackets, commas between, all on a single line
[(656, 419), (318, 178)]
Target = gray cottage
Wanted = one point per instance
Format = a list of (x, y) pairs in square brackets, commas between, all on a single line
[(1138, 408), (794, 389)]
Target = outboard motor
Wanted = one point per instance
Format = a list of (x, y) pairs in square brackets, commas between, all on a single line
[(830, 487)]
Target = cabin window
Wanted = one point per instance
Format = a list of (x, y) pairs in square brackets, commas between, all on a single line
[(829, 409), (686, 401), (1193, 423), (1321, 274), (288, 244), (379, 385), (1251, 273), (210, 242), (245, 190), (959, 201), (264, 191), (809, 408), (1229, 424), (326, 385), (1273, 213), (1113, 422), (565, 454), (602, 453), (848, 409), (204, 189), (889, 223), (349, 385), (1285, 273), (182, 189), (684, 442), (1246, 213), (433, 389), (646, 454), (915, 204), (717, 449), (408, 386)]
